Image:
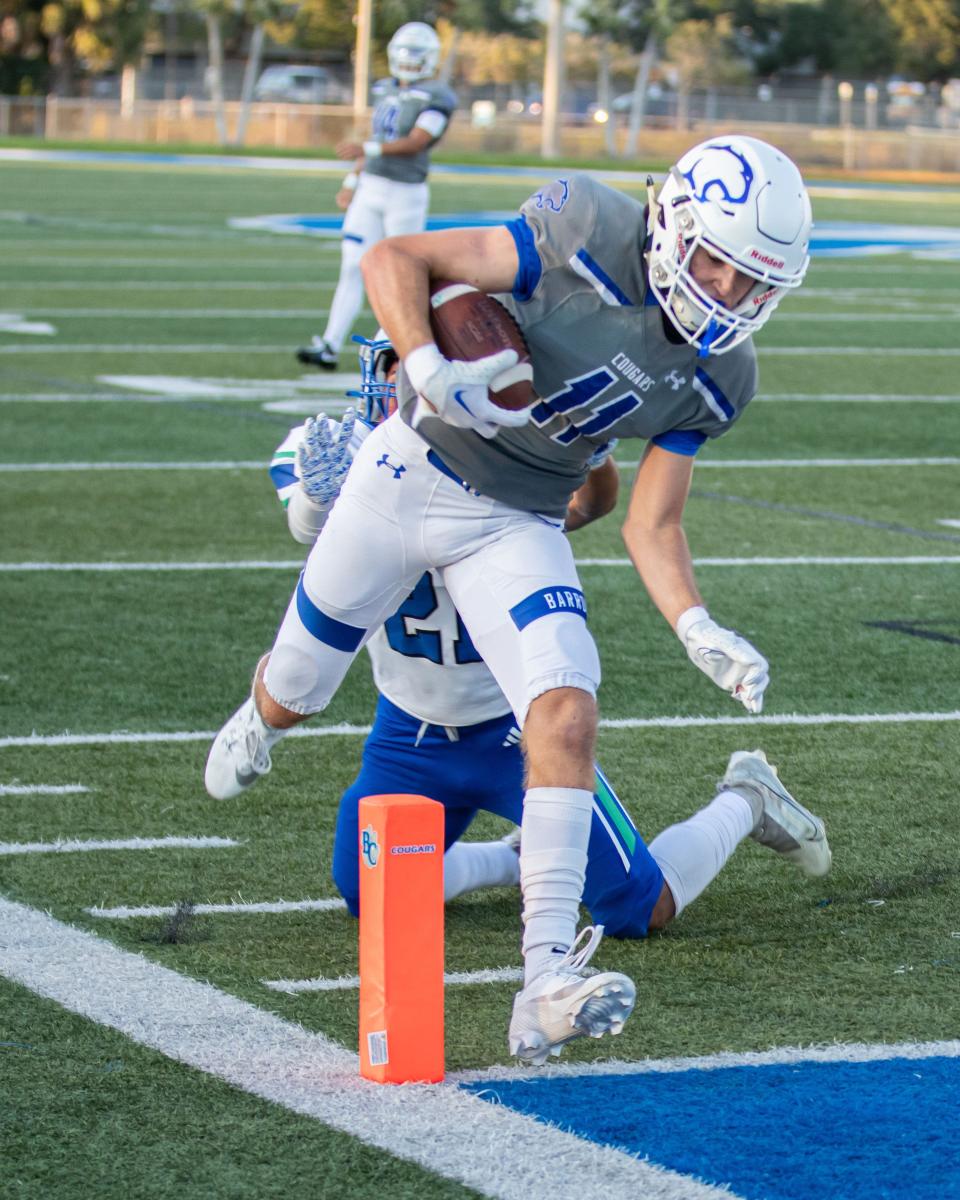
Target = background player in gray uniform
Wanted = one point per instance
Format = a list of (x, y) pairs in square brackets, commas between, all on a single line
[(386, 193), (638, 322)]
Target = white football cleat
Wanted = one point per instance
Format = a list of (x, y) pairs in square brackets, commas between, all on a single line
[(569, 1001), (780, 822), (240, 754)]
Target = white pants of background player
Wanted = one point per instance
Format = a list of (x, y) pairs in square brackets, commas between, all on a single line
[(380, 208), (512, 578)]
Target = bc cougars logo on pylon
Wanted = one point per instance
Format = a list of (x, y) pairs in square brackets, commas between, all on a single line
[(369, 846), (722, 170)]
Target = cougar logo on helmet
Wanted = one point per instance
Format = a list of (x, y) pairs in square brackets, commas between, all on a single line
[(723, 170)]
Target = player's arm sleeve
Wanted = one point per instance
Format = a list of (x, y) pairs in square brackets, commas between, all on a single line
[(721, 403), (433, 122), (283, 466), (552, 227)]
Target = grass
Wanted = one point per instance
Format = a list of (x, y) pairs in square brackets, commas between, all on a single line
[(764, 959)]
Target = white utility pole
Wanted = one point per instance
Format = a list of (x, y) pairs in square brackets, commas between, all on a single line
[(361, 63), (552, 81)]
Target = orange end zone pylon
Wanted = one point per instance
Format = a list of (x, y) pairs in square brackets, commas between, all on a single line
[(401, 939)]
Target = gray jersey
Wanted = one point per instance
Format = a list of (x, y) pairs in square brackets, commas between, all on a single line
[(397, 111), (604, 364)]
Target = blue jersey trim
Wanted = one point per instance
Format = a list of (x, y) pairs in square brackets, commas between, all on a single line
[(283, 475), (680, 441), (595, 269), (723, 403), (530, 268), (352, 237), (547, 601), (326, 629)]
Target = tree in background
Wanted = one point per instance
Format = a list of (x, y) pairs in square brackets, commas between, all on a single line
[(95, 35), (704, 54)]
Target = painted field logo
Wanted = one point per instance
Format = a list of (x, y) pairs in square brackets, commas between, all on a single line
[(369, 846), (422, 848)]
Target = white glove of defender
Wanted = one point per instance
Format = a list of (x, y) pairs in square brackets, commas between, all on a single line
[(323, 458), (458, 390), (730, 661)]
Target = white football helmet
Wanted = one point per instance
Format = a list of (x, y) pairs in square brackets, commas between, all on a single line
[(744, 202), (413, 52)]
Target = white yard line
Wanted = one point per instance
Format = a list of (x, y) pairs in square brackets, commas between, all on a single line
[(171, 285), (238, 351), (68, 846), (444, 1129), (345, 730), (126, 348), (738, 464), (234, 908), (348, 982), (783, 1056), (291, 564), (855, 398), (189, 314), (42, 789)]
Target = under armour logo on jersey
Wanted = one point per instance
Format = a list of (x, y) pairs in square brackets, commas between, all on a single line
[(554, 196), (385, 462), (723, 171), (676, 381)]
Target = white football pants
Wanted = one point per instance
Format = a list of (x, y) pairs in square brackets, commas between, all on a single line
[(510, 574), (380, 208)]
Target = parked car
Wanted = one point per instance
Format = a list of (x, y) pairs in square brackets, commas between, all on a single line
[(296, 85)]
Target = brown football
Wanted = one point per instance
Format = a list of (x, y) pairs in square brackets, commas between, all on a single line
[(468, 324)]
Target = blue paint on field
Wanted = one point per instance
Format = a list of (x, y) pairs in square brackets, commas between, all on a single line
[(798, 1131)]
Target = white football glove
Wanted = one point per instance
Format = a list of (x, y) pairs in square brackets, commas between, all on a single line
[(730, 661), (323, 458), (458, 390)]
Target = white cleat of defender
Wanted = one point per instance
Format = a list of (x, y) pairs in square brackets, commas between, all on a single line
[(780, 822), (567, 1002), (240, 754)]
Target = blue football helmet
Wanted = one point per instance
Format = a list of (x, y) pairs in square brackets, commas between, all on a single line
[(377, 357)]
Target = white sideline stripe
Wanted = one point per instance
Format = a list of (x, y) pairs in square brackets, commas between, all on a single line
[(506, 1155), (347, 982), (782, 1056), (259, 465), (255, 564), (346, 730), (42, 789), (73, 847), (238, 907)]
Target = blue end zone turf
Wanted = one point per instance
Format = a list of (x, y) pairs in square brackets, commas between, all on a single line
[(857, 1131)]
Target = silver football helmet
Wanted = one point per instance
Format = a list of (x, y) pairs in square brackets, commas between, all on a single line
[(413, 52), (745, 203)]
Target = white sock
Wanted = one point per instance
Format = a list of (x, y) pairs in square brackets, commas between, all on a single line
[(553, 862), (468, 866), (269, 734), (692, 854), (348, 297)]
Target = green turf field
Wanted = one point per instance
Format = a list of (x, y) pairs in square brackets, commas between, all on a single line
[(140, 274)]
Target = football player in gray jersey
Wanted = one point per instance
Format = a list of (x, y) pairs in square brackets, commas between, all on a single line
[(386, 191), (639, 323)]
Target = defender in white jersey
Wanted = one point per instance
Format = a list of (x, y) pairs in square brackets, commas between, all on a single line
[(443, 729), (639, 322), (386, 191)]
